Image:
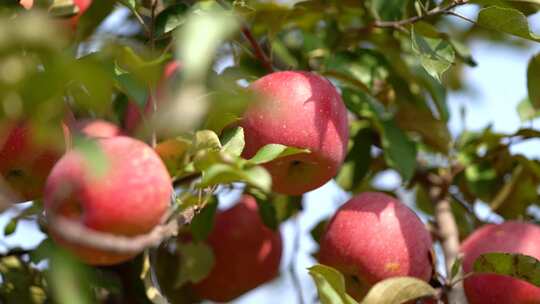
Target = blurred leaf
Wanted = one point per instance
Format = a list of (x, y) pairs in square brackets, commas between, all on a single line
[(434, 132), (268, 214), (388, 9), (170, 18), (519, 266), (330, 285), (533, 79), (318, 230), (456, 268), (272, 151), (131, 4), (206, 139), (512, 200), (10, 227), (399, 150), (527, 111), (423, 201), (20, 282), (195, 264), (173, 153), (233, 141), (203, 222), (506, 20), (95, 159), (63, 9), (207, 25), (398, 290), (93, 17), (358, 159), (436, 55), (131, 87), (226, 174)]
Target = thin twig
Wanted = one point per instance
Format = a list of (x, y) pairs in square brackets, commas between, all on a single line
[(431, 13), (76, 233), (257, 49), (460, 16)]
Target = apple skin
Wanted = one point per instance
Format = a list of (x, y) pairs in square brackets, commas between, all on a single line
[(133, 116), (128, 199), (83, 5), (303, 110), (96, 128), (373, 237), (509, 237), (247, 253), (25, 163)]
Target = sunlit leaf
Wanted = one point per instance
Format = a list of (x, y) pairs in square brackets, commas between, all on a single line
[(506, 20), (330, 285), (519, 266), (398, 290)]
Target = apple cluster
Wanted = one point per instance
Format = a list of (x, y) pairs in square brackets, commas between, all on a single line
[(370, 238)]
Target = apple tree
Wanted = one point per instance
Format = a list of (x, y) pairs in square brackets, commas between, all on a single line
[(126, 125)]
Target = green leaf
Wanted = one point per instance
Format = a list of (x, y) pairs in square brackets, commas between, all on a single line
[(233, 141), (526, 110), (10, 227), (456, 268), (519, 266), (93, 17), (132, 88), (206, 139), (203, 222), (533, 81), (436, 55), (388, 9), (358, 159), (330, 285), (63, 9), (205, 28), (272, 151), (195, 264), (170, 18), (399, 150), (131, 4), (95, 159), (319, 229), (506, 20), (226, 174), (268, 214), (398, 290)]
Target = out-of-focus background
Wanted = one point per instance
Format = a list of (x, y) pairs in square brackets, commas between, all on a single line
[(494, 89)]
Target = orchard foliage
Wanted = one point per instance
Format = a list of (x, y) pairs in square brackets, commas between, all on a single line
[(69, 65)]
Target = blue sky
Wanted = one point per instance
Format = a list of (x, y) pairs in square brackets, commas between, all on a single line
[(499, 84)]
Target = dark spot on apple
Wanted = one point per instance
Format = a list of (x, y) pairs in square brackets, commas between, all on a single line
[(14, 173), (295, 163)]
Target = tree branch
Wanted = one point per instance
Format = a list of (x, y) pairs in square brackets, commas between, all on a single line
[(447, 230), (431, 13), (76, 233)]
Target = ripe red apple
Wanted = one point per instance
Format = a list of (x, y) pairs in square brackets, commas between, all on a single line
[(509, 237), (373, 237), (27, 4), (247, 253), (96, 128), (303, 110), (128, 199), (133, 115), (26, 162)]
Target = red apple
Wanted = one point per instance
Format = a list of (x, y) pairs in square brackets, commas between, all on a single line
[(96, 128), (83, 5), (27, 4), (373, 237), (133, 115), (247, 253), (509, 237), (25, 162), (128, 199), (303, 110)]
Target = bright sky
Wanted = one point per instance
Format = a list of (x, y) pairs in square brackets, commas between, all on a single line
[(499, 82)]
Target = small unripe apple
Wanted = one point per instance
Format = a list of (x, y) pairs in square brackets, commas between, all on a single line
[(128, 198), (96, 128), (246, 252), (509, 237), (303, 110), (133, 113), (26, 162), (373, 237)]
